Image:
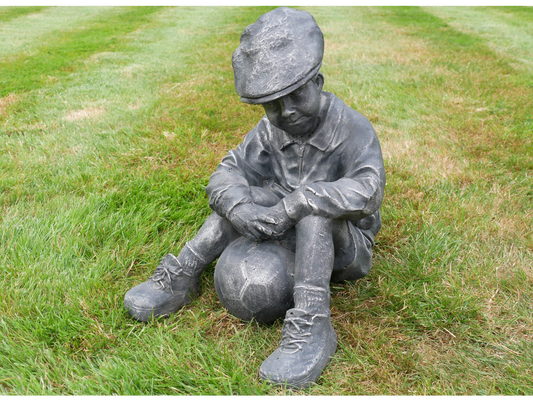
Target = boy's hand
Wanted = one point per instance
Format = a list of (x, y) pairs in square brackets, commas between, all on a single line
[(282, 221), (252, 221), (258, 223)]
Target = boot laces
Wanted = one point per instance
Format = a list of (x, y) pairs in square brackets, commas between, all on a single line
[(164, 272), (296, 332)]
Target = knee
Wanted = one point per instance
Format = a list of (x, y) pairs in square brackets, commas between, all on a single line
[(314, 223)]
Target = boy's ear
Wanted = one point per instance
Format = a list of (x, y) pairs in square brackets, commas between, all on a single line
[(319, 81)]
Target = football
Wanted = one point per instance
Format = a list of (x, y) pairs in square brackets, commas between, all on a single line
[(255, 280)]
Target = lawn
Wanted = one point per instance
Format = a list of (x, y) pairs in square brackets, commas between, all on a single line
[(111, 121)]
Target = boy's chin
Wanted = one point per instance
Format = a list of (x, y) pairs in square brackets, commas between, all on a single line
[(299, 133), (298, 130)]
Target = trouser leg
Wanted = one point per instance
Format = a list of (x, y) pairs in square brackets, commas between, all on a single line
[(213, 237), (357, 261), (343, 243), (314, 251), (329, 250)]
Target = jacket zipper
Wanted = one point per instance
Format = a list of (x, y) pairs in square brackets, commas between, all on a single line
[(301, 148)]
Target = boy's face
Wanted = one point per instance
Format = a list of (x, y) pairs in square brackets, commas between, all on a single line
[(297, 112)]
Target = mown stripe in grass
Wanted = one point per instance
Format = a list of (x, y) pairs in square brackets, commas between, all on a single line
[(197, 108), (522, 13), (9, 13), (484, 76), (25, 34), (204, 103), (64, 52), (509, 37), (491, 121)]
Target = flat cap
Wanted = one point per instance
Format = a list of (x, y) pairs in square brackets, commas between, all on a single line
[(278, 53)]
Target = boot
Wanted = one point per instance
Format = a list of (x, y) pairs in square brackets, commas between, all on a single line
[(175, 283), (308, 341)]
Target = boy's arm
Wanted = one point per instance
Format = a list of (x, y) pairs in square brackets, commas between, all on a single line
[(357, 194), (229, 186), (241, 168)]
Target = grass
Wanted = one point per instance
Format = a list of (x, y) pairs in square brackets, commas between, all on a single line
[(9, 13), (111, 121)]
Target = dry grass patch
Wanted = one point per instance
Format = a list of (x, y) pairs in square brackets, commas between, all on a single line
[(436, 350), (394, 144), (6, 101), (134, 106), (394, 44), (131, 71), (83, 114), (512, 259), (421, 157), (373, 358), (500, 215), (402, 50), (190, 156), (212, 132)]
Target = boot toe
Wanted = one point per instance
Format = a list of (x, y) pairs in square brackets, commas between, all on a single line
[(143, 300), (148, 300), (289, 372)]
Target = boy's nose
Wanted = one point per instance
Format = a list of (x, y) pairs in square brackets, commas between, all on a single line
[(287, 107)]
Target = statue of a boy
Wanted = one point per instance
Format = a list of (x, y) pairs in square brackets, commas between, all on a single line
[(309, 175)]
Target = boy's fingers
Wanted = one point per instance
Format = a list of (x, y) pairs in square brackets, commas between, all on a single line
[(270, 220), (264, 230), (256, 232), (249, 232)]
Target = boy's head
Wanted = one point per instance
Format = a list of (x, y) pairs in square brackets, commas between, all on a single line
[(277, 65)]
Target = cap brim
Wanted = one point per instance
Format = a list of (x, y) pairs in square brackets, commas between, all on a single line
[(286, 91)]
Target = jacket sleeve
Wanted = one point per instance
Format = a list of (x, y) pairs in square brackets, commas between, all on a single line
[(359, 191), (248, 165)]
